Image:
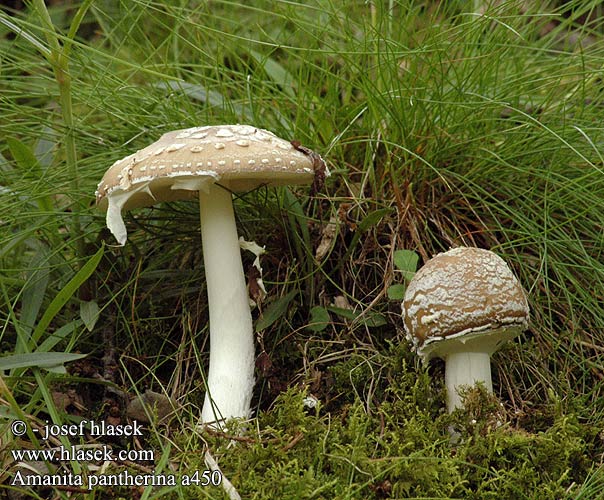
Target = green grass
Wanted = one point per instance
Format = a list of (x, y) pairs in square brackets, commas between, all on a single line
[(440, 127)]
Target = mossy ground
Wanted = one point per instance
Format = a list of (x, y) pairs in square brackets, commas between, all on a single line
[(401, 446)]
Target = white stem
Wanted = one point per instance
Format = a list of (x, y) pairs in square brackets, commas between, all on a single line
[(231, 373), (466, 368)]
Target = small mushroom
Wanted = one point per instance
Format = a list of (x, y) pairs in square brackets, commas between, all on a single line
[(210, 162), (461, 307)]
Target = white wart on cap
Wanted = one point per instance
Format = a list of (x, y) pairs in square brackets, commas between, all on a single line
[(183, 162), (462, 305)]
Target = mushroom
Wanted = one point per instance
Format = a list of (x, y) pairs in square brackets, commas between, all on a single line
[(210, 162), (461, 306)]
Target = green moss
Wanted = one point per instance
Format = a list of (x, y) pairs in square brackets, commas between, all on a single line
[(402, 447)]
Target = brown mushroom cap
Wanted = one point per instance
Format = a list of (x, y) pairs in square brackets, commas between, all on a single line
[(241, 157), (460, 293)]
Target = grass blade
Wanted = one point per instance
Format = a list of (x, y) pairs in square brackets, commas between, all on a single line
[(66, 293)]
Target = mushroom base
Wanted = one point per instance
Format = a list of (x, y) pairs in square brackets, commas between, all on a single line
[(466, 369), (467, 358)]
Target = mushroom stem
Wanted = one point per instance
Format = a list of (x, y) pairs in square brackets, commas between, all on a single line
[(230, 379), (466, 369)]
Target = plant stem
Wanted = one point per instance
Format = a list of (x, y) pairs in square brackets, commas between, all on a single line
[(59, 59)]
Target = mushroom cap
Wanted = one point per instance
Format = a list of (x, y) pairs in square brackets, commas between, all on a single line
[(460, 299), (182, 162)]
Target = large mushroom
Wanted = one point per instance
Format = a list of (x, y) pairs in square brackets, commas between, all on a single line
[(211, 162), (461, 306)]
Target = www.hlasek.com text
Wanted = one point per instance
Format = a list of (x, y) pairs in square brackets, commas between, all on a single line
[(83, 453)]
